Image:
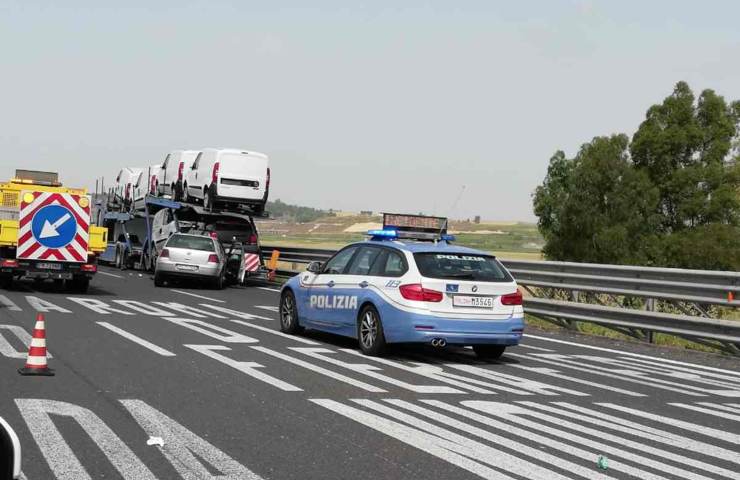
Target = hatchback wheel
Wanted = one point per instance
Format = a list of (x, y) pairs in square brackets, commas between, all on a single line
[(370, 332), (489, 352), (289, 314)]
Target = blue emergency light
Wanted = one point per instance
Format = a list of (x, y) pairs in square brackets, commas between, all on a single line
[(383, 233), (447, 238)]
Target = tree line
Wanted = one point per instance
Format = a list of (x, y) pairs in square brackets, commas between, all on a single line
[(669, 196)]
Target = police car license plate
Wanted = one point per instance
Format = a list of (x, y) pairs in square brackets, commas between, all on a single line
[(469, 301), (49, 266), (187, 268)]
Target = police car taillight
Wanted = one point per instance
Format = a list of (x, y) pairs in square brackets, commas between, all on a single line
[(512, 298), (414, 291)]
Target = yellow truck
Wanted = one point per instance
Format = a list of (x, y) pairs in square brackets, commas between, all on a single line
[(46, 231)]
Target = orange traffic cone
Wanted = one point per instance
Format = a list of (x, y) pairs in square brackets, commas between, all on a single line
[(36, 362)]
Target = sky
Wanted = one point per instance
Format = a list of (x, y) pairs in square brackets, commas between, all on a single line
[(450, 108)]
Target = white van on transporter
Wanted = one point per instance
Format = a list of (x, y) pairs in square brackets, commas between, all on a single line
[(126, 179), (231, 178), (171, 176)]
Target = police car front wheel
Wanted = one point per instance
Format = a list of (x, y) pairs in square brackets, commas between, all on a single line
[(289, 314), (370, 332)]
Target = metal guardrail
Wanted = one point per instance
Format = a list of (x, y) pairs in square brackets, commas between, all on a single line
[(684, 288)]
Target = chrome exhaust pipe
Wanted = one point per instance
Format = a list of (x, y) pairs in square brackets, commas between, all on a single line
[(439, 342), (435, 342)]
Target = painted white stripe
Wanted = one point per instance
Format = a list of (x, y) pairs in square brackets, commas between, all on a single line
[(691, 427), (44, 306), (519, 382), (198, 296), (7, 303), (517, 414), (673, 369), (213, 331), (708, 411), (425, 442), (719, 406), (7, 350), (523, 345), (248, 368), (321, 370), (601, 418), (269, 308), (636, 355), (554, 373), (277, 332), (269, 289), (473, 449), (144, 343), (101, 272), (604, 373), (181, 447)]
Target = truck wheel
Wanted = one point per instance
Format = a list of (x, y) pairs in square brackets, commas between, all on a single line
[(6, 281), (370, 332), (124, 261), (118, 258)]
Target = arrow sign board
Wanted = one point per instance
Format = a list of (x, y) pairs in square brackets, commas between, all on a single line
[(53, 226)]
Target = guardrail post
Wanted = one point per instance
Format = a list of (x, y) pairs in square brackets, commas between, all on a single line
[(650, 307)]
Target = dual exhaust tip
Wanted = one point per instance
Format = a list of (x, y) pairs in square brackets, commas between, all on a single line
[(439, 342)]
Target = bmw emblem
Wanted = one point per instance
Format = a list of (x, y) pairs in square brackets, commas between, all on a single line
[(475, 288)]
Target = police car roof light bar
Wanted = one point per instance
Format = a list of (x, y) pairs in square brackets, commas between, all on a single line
[(383, 234)]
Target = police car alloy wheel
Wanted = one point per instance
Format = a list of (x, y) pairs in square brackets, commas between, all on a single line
[(289, 314), (489, 352), (370, 331)]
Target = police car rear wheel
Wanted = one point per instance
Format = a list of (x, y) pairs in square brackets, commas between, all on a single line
[(370, 332), (489, 352), (289, 314)]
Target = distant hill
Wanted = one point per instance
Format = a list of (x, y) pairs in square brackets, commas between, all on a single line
[(284, 211)]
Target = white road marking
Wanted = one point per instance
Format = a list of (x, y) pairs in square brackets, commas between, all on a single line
[(321, 370), (451, 452), (236, 313), (522, 345), (653, 434), (57, 452), (213, 331), (97, 306), (7, 350), (269, 308), (144, 308), (636, 355), (248, 368), (44, 306), (269, 289), (516, 414), (719, 406), (733, 438), (188, 310), (277, 332), (198, 296), (532, 452), (144, 343), (371, 371), (5, 302), (722, 414), (181, 447), (603, 372), (554, 373), (109, 274)]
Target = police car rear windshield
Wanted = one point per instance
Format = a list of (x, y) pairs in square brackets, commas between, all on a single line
[(456, 266), (191, 243)]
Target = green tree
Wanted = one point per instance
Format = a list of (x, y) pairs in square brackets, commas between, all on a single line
[(669, 197)]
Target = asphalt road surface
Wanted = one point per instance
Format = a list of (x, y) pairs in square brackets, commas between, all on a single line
[(193, 383)]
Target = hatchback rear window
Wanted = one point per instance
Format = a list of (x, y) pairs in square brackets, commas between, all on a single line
[(192, 243), (461, 266)]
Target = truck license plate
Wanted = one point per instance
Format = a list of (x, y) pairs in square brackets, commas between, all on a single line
[(49, 266), (469, 301)]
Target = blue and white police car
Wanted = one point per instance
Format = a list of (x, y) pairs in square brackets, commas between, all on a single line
[(408, 284)]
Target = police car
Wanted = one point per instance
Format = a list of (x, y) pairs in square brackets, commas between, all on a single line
[(408, 284)]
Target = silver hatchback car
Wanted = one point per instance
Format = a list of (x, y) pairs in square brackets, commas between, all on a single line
[(196, 257)]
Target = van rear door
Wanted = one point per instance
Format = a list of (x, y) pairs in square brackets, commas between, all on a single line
[(242, 175)]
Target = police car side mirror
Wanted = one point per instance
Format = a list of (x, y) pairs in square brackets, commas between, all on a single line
[(10, 452), (314, 267)]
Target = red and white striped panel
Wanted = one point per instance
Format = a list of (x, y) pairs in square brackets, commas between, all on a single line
[(251, 262), (30, 249)]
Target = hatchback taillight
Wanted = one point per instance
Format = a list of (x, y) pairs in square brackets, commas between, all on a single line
[(414, 291), (164, 254), (253, 239), (213, 258), (512, 298), (214, 173)]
